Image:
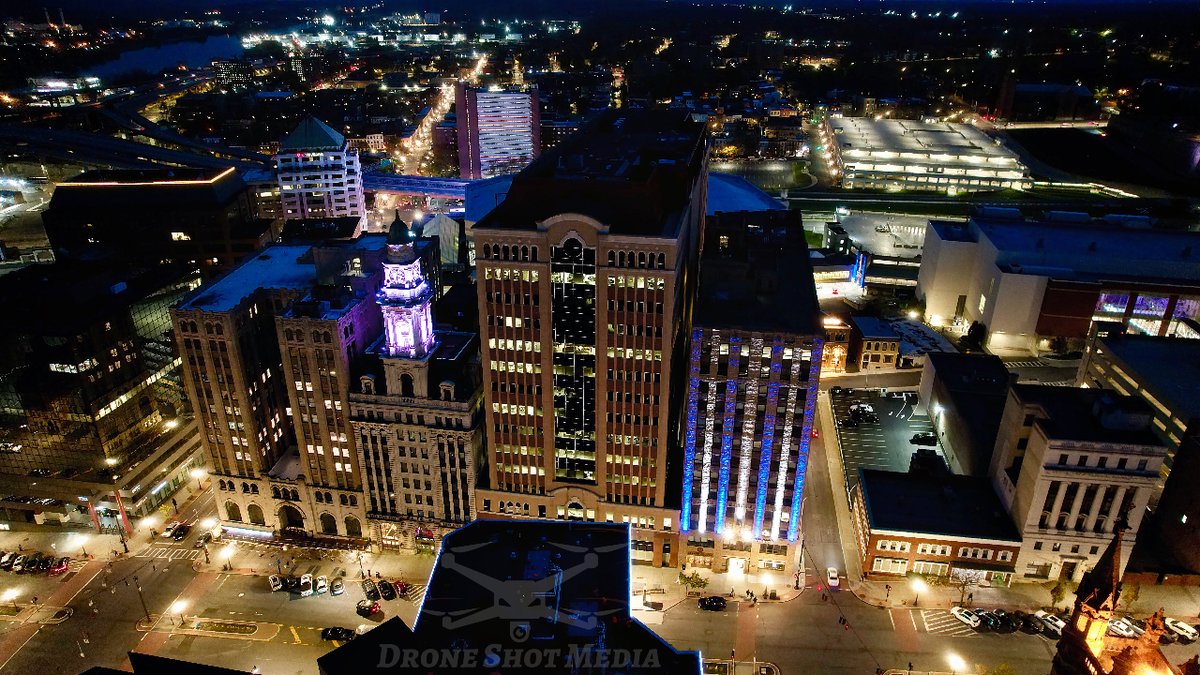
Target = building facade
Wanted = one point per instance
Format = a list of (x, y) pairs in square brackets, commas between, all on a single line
[(498, 130), (417, 413), (753, 372), (319, 175), (586, 282), (1069, 465), (873, 345)]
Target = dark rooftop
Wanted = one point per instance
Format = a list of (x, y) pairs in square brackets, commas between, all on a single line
[(1090, 415), (873, 328), (957, 506), (110, 193), (974, 389), (506, 587), (978, 373), (632, 170), (319, 229), (1166, 367), (755, 274), (312, 134)]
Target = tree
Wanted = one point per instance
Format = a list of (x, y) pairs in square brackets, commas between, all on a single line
[(1058, 592), (693, 581), (1130, 593), (1059, 345)]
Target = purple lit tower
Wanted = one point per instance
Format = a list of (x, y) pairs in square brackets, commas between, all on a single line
[(406, 300)]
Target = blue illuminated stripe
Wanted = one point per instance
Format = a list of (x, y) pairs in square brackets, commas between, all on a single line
[(689, 448), (768, 439), (810, 404), (727, 419)]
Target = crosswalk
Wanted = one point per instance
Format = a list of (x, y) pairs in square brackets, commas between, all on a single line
[(942, 622), (1024, 364), (170, 553), (416, 593), (76, 565)]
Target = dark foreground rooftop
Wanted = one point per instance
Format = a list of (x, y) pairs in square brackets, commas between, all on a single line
[(521, 597), (956, 506)]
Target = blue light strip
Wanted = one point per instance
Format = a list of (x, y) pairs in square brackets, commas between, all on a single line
[(768, 439), (689, 448), (727, 420), (810, 405)]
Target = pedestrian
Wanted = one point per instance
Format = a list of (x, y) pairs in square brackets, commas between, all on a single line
[(970, 598), (20, 548), (34, 601)]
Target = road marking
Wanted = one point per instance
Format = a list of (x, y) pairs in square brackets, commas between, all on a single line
[(295, 634), (942, 622)]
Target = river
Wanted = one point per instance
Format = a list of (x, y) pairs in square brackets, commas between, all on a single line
[(154, 59)]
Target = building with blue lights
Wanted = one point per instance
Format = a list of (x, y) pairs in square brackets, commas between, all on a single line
[(753, 369)]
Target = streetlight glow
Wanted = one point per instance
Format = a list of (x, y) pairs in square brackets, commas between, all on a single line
[(956, 662)]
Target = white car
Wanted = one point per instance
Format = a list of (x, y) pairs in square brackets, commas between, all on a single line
[(831, 576), (863, 407), (276, 583), (1183, 630), (306, 585), (170, 528), (1053, 624), (1121, 628), (322, 584), (966, 616)]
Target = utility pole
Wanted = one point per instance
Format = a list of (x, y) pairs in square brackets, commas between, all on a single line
[(142, 598)]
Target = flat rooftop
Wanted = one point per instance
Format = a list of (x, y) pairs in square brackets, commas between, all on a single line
[(947, 505), (516, 585), (1168, 368), (1094, 250), (1072, 416), (632, 170), (916, 141), (110, 193), (873, 328)]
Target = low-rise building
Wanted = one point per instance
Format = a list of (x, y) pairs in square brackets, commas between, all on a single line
[(933, 524), (964, 395), (1069, 465), (873, 345)]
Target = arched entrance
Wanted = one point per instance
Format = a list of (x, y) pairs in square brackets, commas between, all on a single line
[(255, 513), (233, 512), (290, 518), (328, 524), (353, 528), (575, 510)]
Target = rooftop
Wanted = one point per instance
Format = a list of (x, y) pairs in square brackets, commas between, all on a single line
[(312, 134), (947, 505), (108, 192), (1091, 250), (1075, 414), (913, 140), (633, 170), (508, 585), (873, 328), (761, 277), (1168, 368)]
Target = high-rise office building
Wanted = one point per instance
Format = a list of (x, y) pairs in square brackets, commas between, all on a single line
[(416, 410), (319, 176), (498, 130), (233, 72), (587, 277), (753, 371)]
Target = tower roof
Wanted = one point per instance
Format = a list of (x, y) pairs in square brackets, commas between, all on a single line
[(313, 134), (1100, 587)]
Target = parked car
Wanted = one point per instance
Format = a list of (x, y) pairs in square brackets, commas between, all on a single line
[(988, 621), (923, 439), (170, 529), (292, 584), (835, 389), (1030, 623), (18, 563), (1121, 628), (966, 616), (402, 588), (367, 607), (202, 540), (1184, 631), (45, 564), (31, 563), (862, 407), (337, 587), (712, 603), (306, 585), (1007, 623), (1054, 624), (181, 532), (60, 566), (848, 422), (1138, 626), (322, 584), (7, 561), (370, 590), (831, 576), (386, 590), (337, 633), (276, 582)]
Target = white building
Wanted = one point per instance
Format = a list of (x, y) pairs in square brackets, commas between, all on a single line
[(912, 155), (1068, 465), (499, 131), (319, 176)]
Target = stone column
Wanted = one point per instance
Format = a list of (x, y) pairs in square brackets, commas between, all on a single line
[(1097, 500), (1076, 505), (1058, 502), (1114, 510)]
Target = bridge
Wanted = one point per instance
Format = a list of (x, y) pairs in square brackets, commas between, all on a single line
[(447, 188)]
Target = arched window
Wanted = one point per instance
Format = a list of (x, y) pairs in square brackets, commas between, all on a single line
[(621, 259), (343, 499), (275, 492), (533, 253), (295, 496), (233, 512), (220, 329), (253, 489), (255, 513), (641, 259), (353, 527), (505, 249), (328, 498), (320, 497), (662, 260), (612, 258), (525, 253), (328, 524), (287, 334), (487, 251), (353, 500), (222, 484), (245, 488), (406, 385)]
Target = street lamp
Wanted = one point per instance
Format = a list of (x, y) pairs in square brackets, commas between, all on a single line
[(198, 474), (178, 607), (918, 587), (226, 554), (10, 595), (80, 540), (956, 662)]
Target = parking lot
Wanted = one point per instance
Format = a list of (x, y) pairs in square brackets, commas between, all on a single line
[(884, 444)]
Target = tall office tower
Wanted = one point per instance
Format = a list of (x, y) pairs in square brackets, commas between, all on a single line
[(233, 72), (498, 130), (319, 176), (267, 351), (417, 411), (587, 278), (753, 372)]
